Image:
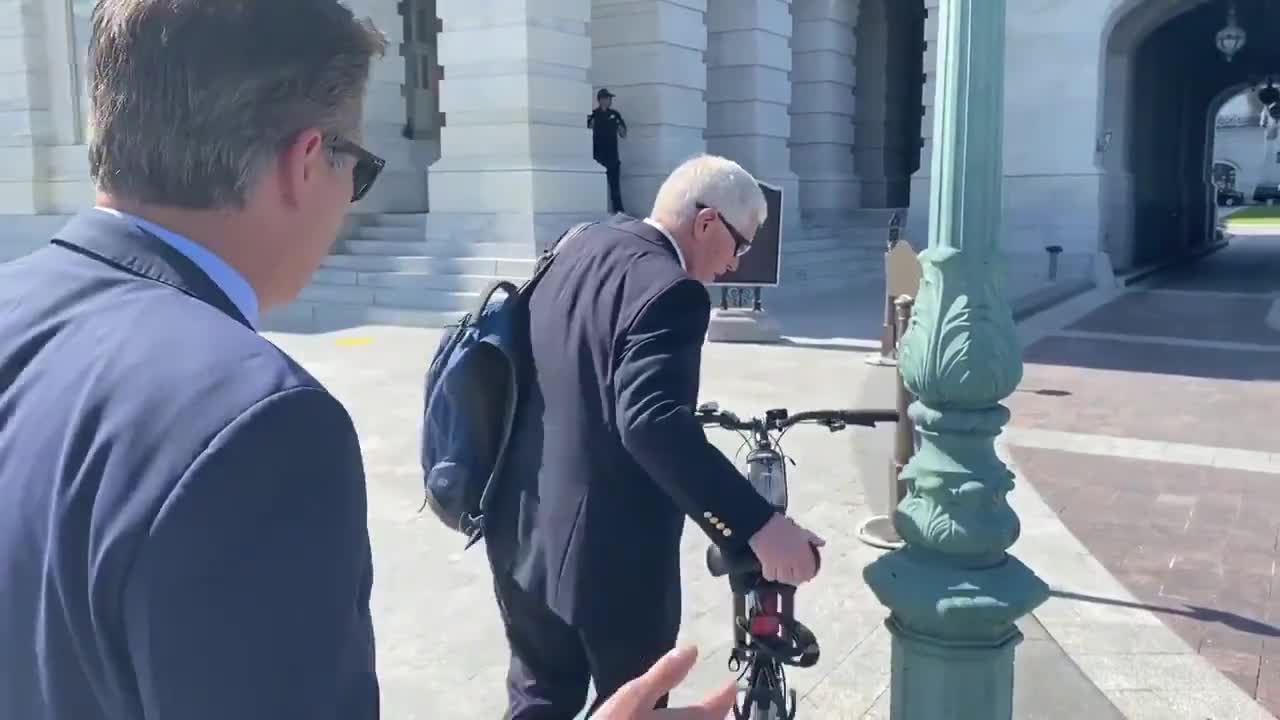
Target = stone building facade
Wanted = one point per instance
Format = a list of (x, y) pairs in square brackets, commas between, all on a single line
[(481, 114)]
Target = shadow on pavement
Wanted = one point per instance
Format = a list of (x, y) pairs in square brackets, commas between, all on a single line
[(1195, 612)]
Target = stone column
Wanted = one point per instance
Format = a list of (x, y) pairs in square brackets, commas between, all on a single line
[(43, 162), (822, 104), (749, 91), (515, 161), (24, 123), (402, 186), (954, 592), (25, 120), (650, 53)]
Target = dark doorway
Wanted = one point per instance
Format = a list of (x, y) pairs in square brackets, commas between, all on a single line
[(890, 108)]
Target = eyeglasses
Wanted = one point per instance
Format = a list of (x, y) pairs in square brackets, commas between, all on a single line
[(367, 168), (741, 245)]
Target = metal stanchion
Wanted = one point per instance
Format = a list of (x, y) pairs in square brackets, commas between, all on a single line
[(878, 531), (888, 355), (904, 444), (1054, 251)]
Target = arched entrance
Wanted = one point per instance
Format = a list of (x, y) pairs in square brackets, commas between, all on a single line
[(1164, 82)]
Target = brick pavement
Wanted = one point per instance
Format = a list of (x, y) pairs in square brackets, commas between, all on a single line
[(1187, 360)]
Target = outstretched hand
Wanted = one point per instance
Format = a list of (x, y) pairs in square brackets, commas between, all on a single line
[(635, 700)]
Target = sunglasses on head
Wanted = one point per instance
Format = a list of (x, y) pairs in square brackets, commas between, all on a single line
[(741, 245), (366, 170)]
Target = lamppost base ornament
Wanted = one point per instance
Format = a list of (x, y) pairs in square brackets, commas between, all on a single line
[(953, 633)]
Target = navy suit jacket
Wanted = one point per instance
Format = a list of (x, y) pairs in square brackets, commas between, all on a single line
[(183, 531), (607, 457)]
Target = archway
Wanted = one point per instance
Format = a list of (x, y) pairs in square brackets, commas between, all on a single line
[(1164, 82)]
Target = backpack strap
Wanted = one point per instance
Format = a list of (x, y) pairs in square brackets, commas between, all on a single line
[(483, 301), (544, 261)]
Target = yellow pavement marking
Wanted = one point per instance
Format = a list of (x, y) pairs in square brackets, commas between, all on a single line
[(353, 341)]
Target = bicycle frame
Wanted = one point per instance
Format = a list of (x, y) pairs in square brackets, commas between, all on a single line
[(767, 637)]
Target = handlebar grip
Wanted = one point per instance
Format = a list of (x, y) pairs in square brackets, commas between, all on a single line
[(869, 418), (743, 562)]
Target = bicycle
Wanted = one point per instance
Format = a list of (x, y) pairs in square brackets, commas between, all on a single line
[(766, 635)]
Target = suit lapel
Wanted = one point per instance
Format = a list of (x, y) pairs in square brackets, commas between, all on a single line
[(122, 244)]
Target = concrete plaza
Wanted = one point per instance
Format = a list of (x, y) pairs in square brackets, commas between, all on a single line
[(1094, 650)]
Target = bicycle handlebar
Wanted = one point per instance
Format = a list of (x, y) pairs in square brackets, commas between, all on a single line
[(744, 562), (781, 420), (865, 418)]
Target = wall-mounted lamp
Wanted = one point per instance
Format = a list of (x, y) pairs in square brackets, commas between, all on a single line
[(1231, 38)]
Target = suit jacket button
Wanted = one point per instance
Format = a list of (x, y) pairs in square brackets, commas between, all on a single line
[(719, 526), (713, 519), (727, 532), (708, 515)]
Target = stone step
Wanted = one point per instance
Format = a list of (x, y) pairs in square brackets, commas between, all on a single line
[(436, 248), (398, 220), (308, 316), (411, 298), (865, 217), (820, 243), (491, 266), (393, 270), (409, 279)]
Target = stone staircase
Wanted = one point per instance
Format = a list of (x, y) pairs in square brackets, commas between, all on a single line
[(391, 269), (833, 254)]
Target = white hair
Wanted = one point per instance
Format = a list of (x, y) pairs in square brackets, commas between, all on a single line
[(716, 182)]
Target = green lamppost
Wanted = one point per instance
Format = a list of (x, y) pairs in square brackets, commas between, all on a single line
[(953, 592)]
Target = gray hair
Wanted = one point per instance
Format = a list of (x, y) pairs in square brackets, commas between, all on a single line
[(191, 99), (713, 181)]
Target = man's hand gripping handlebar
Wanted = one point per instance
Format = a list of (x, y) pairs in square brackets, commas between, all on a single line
[(789, 641)]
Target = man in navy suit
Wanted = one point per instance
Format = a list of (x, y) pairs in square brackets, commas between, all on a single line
[(183, 530), (607, 458)]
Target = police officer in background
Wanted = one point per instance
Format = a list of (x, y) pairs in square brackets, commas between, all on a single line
[(607, 126)]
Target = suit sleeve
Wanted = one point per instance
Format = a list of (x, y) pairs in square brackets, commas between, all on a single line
[(249, 599), (656, 385), (591, 120)]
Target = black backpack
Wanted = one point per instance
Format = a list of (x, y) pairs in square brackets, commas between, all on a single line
[(471, 397)]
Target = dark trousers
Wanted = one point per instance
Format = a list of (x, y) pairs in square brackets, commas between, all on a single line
[(613, 174), (552, 661)]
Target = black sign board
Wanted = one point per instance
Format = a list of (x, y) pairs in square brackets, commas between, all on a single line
[(763, 265)]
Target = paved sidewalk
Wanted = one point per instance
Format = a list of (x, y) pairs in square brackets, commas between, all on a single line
[(441, 653)]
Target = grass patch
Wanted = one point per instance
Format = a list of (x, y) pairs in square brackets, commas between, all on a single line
[(1255, 215)]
